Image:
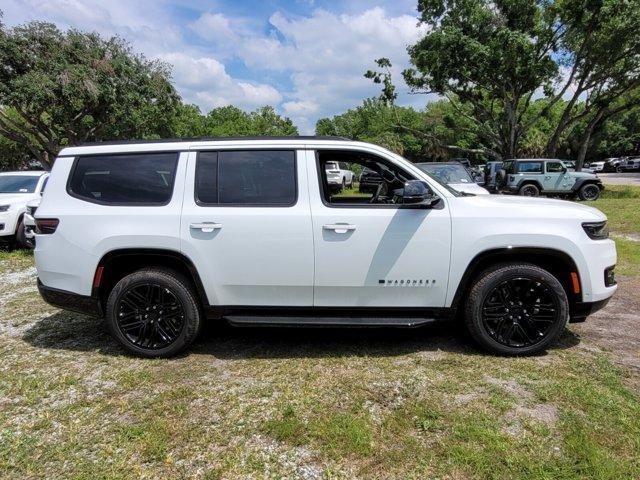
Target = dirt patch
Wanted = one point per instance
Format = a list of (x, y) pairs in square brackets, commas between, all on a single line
[(634, 237), (616, 328)]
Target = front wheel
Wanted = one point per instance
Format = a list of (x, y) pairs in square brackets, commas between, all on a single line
[(529, 190), (589, 192), (153, 313), (516, 309)]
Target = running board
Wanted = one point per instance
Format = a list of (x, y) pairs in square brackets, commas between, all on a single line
[(299, 321)]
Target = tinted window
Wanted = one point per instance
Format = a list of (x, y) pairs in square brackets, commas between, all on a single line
[(252, 177), (132, 179), (530, 167), (18, 183)]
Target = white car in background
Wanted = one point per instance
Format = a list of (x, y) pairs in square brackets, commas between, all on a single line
[(339, 176), (453, 174), (29, 222), (16, 190)]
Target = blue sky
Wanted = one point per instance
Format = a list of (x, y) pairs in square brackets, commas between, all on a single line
[(304, 57)]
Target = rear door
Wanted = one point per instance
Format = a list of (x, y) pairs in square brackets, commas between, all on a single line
[(246, 225)]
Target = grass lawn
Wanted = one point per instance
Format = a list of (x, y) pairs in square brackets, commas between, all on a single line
[(282, 403), (621, 205)]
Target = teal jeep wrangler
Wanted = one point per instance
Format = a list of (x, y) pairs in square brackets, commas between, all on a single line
[(534, 177)]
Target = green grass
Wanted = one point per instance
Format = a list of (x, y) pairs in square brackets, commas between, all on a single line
[(621, 205), (307, 404)]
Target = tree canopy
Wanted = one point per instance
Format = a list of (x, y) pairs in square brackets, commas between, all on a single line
[(64, 88)]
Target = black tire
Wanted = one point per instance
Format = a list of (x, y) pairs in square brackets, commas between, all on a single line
[(21, 240), (524, 325), (529, 190), (144, 334), (590, 191)]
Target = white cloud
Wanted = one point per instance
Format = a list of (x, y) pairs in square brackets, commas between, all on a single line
[(306, 66), (204, 81)]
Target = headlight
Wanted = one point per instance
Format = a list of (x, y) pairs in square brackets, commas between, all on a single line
[(596, 230), (4, 208)]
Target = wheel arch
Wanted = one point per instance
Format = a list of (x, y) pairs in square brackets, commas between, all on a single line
[(116, 264), (585, 181), (530, 182), (558, 263)]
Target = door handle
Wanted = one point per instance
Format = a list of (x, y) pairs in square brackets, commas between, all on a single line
[(339, 227), (206, 227)]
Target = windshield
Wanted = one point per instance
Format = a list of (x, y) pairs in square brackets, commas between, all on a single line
[(18, 184), (448, 173)]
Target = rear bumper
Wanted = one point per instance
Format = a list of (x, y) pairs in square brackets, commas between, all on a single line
[(71, 301)]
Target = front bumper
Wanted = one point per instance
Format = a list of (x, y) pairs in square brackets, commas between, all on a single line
[(71, 301)]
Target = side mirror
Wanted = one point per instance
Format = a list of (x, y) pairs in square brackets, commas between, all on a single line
[(417, 194)]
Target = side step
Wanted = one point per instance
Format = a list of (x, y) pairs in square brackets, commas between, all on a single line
[(300, 321)]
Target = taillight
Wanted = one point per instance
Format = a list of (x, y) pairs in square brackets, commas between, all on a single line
[(45, 226)]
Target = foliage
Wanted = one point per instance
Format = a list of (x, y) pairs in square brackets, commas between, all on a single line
[(64, 88), (494, 58)]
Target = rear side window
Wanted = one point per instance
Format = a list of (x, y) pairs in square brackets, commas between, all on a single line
[(131, 179), (530, 167), (251, 177)]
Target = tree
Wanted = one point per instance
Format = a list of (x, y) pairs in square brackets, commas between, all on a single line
[(600, 48), (496, 56), (231, 121), (64, 88)]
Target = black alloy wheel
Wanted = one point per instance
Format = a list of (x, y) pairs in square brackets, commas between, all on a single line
[(154, 312), (519, 312), (150, 316), (590, 192), (516, 309)]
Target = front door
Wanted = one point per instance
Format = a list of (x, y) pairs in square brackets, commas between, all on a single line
[(369, 251), (554, 177), (246, 225)]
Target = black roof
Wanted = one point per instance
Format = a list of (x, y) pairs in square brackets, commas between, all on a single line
[(211, 139)]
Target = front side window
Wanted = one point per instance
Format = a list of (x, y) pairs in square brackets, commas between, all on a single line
[(530, 167), (249, 177), (554, 167), (18, 183), (128, 179), (376, 181)]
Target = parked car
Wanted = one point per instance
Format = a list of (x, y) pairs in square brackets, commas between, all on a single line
[(534, 177), (491, 170), (339, 176), (368, 181), (16, 189), (29, 222), (607, 165), (157, 237), (632, 164), (571, 165), (454, 175), (476, 172)]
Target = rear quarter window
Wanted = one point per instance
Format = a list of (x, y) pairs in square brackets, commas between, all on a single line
[(530, 167), (128, 179)]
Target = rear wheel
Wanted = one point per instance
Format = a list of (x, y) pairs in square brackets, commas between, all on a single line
[(516, 309), (529, 190), (590, 191), (153, 313), (21, 239)]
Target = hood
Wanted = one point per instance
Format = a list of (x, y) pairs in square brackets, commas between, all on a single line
[(469, 188), (11, 198), (531, 207)]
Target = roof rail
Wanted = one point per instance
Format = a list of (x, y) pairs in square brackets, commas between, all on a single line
[(212, 139)]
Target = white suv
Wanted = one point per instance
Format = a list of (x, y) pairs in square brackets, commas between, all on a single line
[(16, 190), (158, 236)]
